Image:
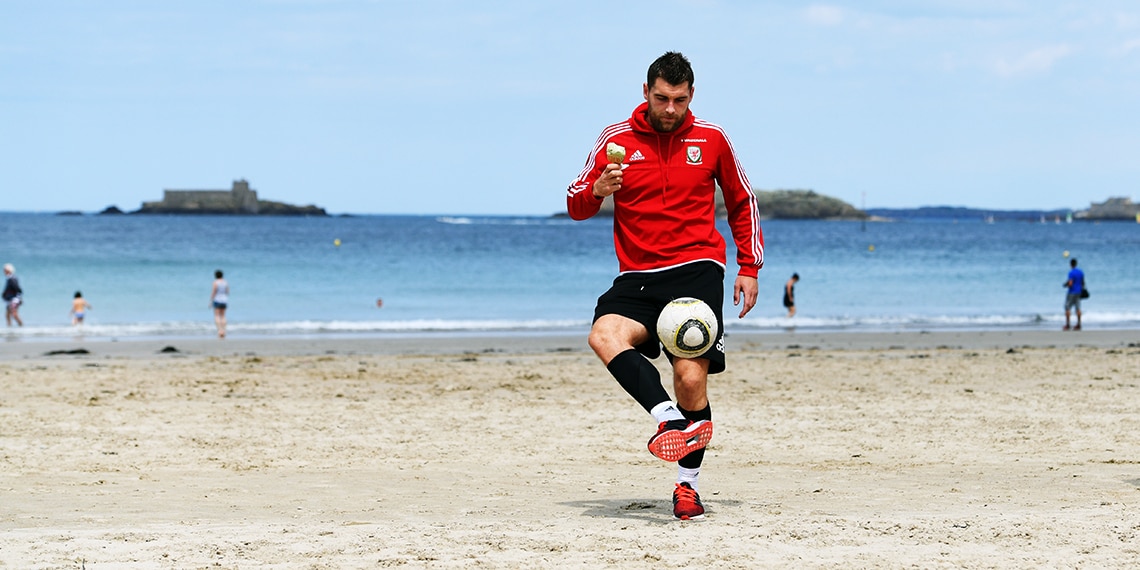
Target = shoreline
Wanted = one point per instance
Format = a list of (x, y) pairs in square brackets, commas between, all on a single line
[(548, 342)]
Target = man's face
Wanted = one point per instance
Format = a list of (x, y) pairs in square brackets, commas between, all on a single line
[(667, 104)]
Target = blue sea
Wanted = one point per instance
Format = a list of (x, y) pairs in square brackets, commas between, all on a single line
[(150, 276)]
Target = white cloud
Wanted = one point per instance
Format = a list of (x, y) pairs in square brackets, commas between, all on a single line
[(823, 15), (1129, 46), (1127, 21), (1039, 60)]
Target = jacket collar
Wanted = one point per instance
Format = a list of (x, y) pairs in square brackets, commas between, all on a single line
[(640, 122)]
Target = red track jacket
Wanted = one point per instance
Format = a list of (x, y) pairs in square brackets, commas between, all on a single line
[(664, 213)]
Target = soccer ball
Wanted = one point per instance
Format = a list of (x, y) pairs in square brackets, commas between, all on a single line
[(687, 327)]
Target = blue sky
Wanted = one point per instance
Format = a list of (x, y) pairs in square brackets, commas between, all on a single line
[(454, 107)]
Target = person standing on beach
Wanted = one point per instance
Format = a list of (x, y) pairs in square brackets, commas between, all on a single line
[(1073, 289), (219, 298), (79, 308), (668, 246), (790, 294), (13, 296)]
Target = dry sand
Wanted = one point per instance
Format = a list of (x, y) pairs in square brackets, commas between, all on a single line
[(951, 450)]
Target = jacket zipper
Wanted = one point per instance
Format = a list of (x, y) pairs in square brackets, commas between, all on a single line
[(663, 163)]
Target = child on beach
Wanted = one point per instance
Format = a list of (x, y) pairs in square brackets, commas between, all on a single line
[(790, 294), (13, 296), (219, 298), (79, 308)]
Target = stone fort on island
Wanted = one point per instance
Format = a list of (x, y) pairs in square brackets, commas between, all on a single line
[(240, 199)]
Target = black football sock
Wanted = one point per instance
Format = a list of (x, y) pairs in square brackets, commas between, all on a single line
[(639, 377), (694, 459)]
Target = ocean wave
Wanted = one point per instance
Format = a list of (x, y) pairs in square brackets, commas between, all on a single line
[(1109, 320), (292, 328), (503, 221), (879, 323)]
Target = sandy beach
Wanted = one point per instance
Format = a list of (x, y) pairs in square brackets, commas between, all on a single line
[(832, 450)]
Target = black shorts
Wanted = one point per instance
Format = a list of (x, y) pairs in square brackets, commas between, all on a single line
[(641, 296)]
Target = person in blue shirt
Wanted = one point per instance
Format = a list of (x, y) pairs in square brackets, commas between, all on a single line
[(1073, 287)]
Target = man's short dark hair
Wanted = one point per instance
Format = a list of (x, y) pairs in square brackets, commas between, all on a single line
[(1073, 262), (673, 68)]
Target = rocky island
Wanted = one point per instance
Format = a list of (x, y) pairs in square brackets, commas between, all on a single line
[(804, 205), (1119, 208), (239, 200), (785, 205)]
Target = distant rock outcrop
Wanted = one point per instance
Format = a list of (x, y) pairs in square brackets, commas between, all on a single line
[(785, 205), (111, 210), (240, 200), (1118, 208), (805, 205)]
